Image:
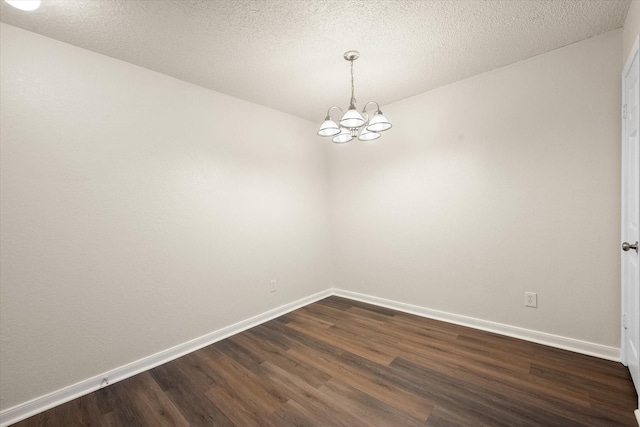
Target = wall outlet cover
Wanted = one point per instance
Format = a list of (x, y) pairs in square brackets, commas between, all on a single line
[(531, 299)]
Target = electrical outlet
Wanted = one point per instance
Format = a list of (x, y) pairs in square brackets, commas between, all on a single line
[(273, 285), (531, 299)]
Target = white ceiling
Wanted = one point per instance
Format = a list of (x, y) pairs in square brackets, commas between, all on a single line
[(287, 54)]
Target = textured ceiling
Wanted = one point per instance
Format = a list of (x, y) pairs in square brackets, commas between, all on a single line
[(287, 54)]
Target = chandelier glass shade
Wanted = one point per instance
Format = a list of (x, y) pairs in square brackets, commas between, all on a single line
[(354, 123)]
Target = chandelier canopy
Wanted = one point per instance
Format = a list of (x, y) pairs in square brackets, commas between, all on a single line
[(353, 123)]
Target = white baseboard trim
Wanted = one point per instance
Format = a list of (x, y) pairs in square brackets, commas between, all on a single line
[(565, 343), (58, 397)]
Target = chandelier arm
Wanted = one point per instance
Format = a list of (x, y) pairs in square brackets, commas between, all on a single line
[(367, 104), (329, 111)]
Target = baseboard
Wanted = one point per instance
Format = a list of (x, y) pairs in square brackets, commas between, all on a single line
[(565, 343), (40, 404)]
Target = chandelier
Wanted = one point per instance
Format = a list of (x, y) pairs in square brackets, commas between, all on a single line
[(353, 123)]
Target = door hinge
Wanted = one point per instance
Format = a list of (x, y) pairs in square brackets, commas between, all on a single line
[(624, 321), (624, 111)]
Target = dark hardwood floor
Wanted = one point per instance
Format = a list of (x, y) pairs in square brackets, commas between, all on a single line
[(339, 362)]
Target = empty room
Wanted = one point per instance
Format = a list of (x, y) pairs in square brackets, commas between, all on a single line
[(319, 213)]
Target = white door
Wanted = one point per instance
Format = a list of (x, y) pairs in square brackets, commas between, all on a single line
[(631, 217)]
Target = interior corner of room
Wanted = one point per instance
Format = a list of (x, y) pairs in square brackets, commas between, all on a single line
[(143, 216)]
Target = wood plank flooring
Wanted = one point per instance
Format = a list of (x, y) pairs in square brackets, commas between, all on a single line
[(339, 362)]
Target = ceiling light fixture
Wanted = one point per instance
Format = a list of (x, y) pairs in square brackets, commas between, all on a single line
[(24, 4), (353, 123)]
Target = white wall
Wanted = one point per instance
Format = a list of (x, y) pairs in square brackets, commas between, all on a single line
[(499, 184), (631, 28), (139, 211)]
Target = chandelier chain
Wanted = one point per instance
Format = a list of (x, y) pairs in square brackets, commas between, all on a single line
[(353, 99)]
